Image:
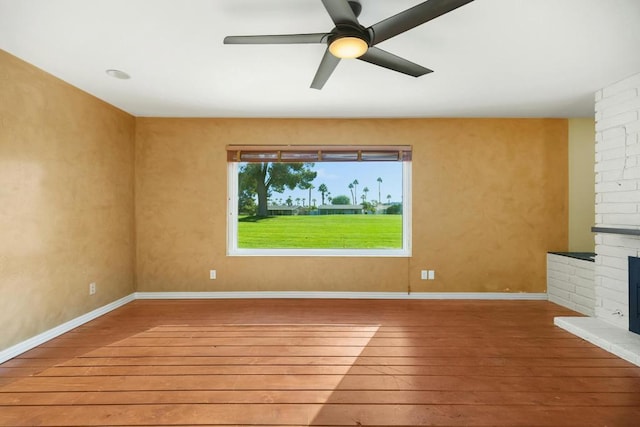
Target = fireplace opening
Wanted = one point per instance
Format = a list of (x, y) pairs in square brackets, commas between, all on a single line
[(634, 294)]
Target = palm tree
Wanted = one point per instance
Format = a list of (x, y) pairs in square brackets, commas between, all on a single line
[(311, 187), (297, 201), (365, 190), (388, 198), (314, 202), (352, 197), (379, 183), (355, 190), (323, 189)]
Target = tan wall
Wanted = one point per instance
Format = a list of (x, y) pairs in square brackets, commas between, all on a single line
[(489, 200), (582, 178), (66, 201)]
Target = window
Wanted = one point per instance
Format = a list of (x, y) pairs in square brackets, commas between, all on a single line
[(319, 201)]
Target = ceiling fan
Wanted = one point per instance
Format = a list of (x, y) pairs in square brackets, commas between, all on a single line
[(349, 39)]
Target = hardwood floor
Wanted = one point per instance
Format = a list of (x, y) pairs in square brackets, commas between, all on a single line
[(321, 363)]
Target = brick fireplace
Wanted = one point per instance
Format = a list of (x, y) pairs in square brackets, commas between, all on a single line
[(617, 196), (617, 221)]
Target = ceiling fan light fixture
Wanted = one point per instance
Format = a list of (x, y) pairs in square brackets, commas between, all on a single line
[(348, 47)]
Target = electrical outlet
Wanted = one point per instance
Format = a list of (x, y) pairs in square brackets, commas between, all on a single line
[(428, 274), (92, 288), (212, 274)]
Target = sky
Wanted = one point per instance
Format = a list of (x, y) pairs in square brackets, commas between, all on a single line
[(337, 176)]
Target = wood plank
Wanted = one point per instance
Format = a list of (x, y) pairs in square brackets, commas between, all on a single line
[(196, 332), (242, 342), (217, 330), (309, 414), (488, 350), (399, 397), (179, 382), (336, 360), (305, 369), (323, 382), (95, 371), (185, 351), (471, 415), (7, 372), (210, 360), (20, 362), (146, 341), (585, 351), (155, 415)]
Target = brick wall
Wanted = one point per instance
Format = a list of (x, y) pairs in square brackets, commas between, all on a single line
[(570, 283), (617, 195)]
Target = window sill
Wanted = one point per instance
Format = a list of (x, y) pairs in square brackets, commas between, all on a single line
[(381, 253)]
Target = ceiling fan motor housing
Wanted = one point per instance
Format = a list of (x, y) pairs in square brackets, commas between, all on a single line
[(344, 30)]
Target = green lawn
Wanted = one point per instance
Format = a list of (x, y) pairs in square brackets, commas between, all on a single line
[(321, 232)]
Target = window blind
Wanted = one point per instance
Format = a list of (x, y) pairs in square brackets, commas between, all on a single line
[(324, 153)]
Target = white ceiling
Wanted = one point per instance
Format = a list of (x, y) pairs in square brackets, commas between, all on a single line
[(492, 58)]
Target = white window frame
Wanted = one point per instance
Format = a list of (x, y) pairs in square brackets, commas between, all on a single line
[(232, 226)]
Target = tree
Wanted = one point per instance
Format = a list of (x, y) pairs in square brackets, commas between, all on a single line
[(394, 209), (309, 187), (365, 190), (355, 190), (323, 189), (388, 198), (246, 203), (289, 201), (314, 202), (351, 189), (368, 207), (297, 201), (379, 184), (263, 178), (340, 200)]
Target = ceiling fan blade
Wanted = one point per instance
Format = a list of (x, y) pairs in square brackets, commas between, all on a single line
[(340, 12), (388, 60), (277, 39), (327, 65), (413, 17)]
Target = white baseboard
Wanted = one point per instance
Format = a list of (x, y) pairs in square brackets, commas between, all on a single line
[(35, 341), (32, 342), (344, 295)]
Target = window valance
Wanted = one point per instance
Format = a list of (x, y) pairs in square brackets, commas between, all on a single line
[(324, 153)]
